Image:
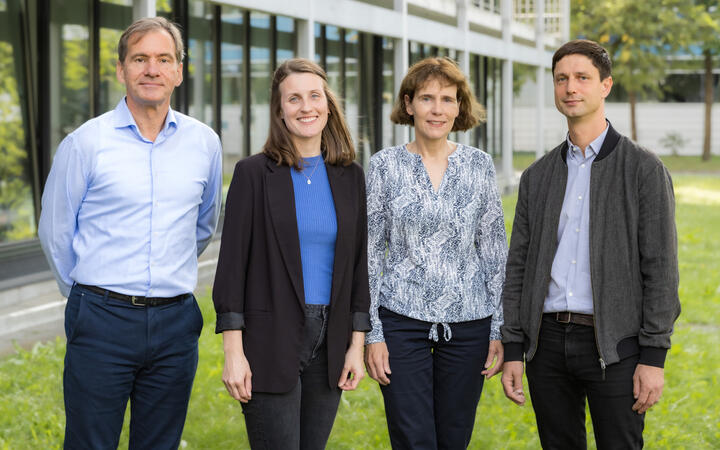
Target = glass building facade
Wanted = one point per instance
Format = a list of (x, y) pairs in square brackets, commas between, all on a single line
[(57, 70)]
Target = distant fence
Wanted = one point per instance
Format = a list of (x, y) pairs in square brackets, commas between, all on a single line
[(658, 124)]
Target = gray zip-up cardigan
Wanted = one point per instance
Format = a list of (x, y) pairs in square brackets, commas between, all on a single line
[(633, 252)]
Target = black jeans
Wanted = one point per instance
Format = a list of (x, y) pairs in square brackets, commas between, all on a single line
[(303, 417), (434, 387), (564, 371)]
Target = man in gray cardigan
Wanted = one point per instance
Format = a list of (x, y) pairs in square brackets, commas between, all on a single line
[(591, 288)]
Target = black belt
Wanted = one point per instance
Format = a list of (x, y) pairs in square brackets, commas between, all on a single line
[(134, 299), (571, 317)]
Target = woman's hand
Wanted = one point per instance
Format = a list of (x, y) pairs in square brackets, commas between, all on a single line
[(377, 361), (496, 355), (353, 370), (236, 374)]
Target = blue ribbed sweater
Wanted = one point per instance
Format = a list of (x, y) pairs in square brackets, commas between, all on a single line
[(317, 229)]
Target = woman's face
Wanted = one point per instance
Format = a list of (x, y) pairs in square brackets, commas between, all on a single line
[(303, 106), (434, 109)]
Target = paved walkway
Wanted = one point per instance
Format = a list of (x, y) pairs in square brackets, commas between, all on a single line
[(35, 312)]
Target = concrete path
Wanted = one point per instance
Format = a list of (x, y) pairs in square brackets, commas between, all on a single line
[(35, 312)]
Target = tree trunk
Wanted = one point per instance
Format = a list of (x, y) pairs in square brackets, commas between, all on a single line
[(633, 126), (708, 104)]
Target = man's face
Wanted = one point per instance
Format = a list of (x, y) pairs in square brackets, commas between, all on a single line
[(579, 92), (150, 71)]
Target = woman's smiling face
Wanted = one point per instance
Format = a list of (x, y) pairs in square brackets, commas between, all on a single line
[(303, 106)]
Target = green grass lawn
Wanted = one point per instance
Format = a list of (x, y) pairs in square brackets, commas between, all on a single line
[(31, 408)]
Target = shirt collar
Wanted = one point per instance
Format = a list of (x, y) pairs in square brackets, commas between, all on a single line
[(592, 149), (123, 118)]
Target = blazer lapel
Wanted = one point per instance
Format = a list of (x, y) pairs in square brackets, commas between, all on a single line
[(343, 200), (281, 205)]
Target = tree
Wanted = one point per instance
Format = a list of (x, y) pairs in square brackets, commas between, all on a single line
[(704, 20), (639, 35)]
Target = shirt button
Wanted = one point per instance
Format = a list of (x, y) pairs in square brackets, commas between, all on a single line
[(582, 165), (570, 294), (579, 197), (574, 262), (577, 230)]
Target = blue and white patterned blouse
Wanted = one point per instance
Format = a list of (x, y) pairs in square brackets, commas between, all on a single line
[(434, 256)]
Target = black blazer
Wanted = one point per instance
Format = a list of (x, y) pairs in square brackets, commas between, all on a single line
[(258, 284)]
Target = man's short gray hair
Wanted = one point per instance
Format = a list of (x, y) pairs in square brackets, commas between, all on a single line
[(141, 27)]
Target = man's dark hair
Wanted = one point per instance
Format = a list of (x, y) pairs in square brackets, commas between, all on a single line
[(596, 52)]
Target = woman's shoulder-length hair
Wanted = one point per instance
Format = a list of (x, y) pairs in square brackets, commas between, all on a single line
[(446, 71), (336, 143)]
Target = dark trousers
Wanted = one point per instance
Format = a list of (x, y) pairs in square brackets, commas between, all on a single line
[(303, 417), (566, 370), (434, 387), (117, 351)]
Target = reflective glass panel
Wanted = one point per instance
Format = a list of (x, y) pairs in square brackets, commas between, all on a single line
[(69, 54), (260, 73), (352, 88), (199, 60), (17, 215), (232, 89), (285, 38), (388, 96), (115, 16), (333, 57)]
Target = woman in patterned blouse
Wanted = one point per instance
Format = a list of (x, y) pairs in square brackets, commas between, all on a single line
[(436, 259)]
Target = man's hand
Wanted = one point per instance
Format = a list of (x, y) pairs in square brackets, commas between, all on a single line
[(512, 381), (377, 361), (648, 382), (495, 354)]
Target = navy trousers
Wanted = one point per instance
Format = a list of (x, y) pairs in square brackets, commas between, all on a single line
[(117, 351), (434, 387), (563, 373)]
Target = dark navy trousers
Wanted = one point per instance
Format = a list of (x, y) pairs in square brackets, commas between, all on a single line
[(434, 387), (118, 352)]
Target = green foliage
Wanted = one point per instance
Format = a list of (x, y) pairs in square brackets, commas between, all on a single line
[(639, 35), (31, 408), (673, 141)]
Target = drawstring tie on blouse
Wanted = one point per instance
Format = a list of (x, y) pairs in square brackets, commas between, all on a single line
[(447, 333)]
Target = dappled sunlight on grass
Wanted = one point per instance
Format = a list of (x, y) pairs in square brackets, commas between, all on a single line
[(697, 196)]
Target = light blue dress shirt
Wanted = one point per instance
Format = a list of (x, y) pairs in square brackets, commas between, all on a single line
[(570, 285), (128, 214)]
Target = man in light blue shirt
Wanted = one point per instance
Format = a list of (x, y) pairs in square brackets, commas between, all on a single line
[(132, 199)]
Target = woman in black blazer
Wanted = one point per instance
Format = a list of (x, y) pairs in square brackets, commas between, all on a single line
[(291, 288)]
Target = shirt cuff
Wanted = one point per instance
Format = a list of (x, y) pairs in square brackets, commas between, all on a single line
[(361, 321), (513, 351), (653, 356), (230, 321)]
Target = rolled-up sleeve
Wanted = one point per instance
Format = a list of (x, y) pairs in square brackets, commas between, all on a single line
[(229, 286)]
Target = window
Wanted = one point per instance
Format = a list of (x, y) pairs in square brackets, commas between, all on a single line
[(17, 212)]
